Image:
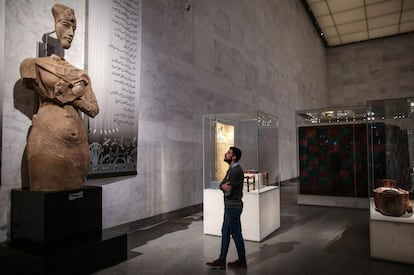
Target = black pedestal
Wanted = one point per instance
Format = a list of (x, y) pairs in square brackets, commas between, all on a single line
[(59, 233), (76, 259), (53, 218)]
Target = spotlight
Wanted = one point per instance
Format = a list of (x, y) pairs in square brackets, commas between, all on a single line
[(187, 6)]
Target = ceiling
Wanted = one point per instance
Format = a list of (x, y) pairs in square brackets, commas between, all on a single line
[(347, 21)]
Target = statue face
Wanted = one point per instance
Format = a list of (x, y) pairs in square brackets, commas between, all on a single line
[(65, 31)]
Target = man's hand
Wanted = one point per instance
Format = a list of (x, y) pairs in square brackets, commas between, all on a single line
[(226, 187)]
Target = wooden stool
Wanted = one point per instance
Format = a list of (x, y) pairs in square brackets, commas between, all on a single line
[(266, 177), (247, 178)]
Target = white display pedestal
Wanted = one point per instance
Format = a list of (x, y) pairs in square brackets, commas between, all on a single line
[(260, 216), (391, 238)]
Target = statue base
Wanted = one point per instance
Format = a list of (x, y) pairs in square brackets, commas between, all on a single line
[(77, 258), (53, 218), (60, 232)]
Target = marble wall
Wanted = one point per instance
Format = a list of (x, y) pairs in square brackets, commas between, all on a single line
[(376, 69), (25, 22), (218, 57)]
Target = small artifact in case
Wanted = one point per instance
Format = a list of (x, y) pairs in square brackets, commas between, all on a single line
[(392, 201)]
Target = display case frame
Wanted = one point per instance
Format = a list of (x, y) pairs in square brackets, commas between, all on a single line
[(256, 134)]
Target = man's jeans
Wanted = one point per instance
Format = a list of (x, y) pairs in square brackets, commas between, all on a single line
[(232, 226)]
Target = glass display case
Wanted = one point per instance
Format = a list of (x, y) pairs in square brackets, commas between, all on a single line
[(332, 157), (391, 162), (256, 134)]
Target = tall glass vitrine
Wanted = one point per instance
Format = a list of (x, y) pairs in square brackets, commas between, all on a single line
[(332, 156), (391, 182)]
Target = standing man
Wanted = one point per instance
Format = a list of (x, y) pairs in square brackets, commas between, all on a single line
[(232, 186)]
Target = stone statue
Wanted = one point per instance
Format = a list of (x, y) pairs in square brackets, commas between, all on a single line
[(57, 146)]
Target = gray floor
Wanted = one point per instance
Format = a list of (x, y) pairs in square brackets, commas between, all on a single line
[(311, 240)]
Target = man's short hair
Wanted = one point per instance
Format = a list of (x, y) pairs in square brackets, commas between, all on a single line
[(237, 152)]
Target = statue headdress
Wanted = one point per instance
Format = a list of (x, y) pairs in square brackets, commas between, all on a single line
[(61, 12)]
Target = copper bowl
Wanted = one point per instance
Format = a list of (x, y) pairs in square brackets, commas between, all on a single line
[(390, 201)]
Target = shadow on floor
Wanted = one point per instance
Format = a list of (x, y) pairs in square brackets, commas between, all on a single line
[(353, 241), (267, 251), (144, 235)]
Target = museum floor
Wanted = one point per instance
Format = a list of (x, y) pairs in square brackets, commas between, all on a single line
[(311, 240)]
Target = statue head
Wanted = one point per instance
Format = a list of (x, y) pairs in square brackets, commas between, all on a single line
[(65, 24)]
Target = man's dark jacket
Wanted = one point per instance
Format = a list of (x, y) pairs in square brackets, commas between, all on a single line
[(235, 177)]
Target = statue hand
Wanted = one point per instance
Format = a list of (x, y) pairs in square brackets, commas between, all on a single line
[(62, 87), (66, 92), (79, 88)]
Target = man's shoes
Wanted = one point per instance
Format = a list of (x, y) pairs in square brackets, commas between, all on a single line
[(218, 264), (237, 264)]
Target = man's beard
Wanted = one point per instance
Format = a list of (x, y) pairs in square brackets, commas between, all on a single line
[(227, 160)]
